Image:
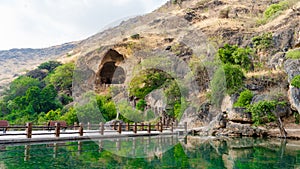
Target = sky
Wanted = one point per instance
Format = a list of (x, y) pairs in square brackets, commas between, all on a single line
[(44, 23)]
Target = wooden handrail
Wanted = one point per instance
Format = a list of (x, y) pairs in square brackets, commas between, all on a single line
[(119, 128)]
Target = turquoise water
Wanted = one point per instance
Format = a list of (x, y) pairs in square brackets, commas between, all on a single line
[(155, 152)]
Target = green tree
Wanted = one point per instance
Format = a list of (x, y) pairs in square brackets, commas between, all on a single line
[(106, 107), (70, 116), (62, 77), (50, 65), (87, 109), (19, 86)]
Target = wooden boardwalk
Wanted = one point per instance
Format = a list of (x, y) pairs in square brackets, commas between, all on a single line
[(29, 133)]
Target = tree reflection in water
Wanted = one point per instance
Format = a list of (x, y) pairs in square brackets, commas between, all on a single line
[(155, 152)]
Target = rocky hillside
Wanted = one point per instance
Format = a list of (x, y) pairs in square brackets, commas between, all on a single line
[(16, 62), (184, 38), (224, 64)]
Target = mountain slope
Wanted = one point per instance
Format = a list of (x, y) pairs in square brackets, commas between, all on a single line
[(16, 62)]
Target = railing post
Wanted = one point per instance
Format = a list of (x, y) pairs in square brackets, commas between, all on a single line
[(161, 127), (142, 126), (135, 127), (75, 124), (89, 126), (115, 126), (57, 129), (172, 129), (157, 126), (149, 128), (127, 127), (101, 128), (29, 130), (185, 127), (120, 128), (80, 129)]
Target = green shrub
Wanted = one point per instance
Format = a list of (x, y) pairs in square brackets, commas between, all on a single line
[(146, 82), (262, 112), (50, 66), (293, 54), (227, 79), (296, 81), (70, 116), (107, 107), (263, 42), (234, 78), (135, 36), (244, 99), (141, 104), (129, 113), (234, 55), (275, 8)]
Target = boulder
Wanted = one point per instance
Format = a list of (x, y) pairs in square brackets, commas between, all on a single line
[(277, 61), (239, 115), (292, 68)]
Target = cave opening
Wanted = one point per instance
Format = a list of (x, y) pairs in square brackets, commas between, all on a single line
[(111, 70), (112, 74)]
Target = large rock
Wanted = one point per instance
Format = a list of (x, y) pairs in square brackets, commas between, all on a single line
[(197, 117), (292, 68), (239, 115), (277, 61), (156, 101)]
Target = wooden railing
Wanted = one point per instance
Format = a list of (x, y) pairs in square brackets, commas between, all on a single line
[(100, 128)]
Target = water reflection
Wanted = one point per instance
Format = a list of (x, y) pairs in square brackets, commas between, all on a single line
[(155, 152)]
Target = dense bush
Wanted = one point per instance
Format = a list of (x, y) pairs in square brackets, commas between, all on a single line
[(62, 77), (19, 86), (50, 66), (107, 107), (227, 79), (262, 112), (293, 54), (296, 81), (263, 42), (135, 36), (147, 81), (244, 99), (232, 54), (234, 78), (129, 113), (275, 8), (141, 104)]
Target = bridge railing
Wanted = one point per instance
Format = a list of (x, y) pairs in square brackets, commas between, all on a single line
[(89, 128)]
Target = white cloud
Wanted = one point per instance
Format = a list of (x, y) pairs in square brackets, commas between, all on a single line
[(41, 23)]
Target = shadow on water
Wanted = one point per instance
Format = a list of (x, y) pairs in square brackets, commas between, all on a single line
[(155, 152)]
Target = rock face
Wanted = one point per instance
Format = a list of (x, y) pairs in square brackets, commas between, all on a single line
[(292, 68), (220, 126), (156, 101), (239, 115), (277, 61)]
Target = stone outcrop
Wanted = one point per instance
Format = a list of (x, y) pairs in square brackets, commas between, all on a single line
[(292, 68), (239, 115)]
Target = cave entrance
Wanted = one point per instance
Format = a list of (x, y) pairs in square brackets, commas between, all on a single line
[(112, 74), (110, 71)]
